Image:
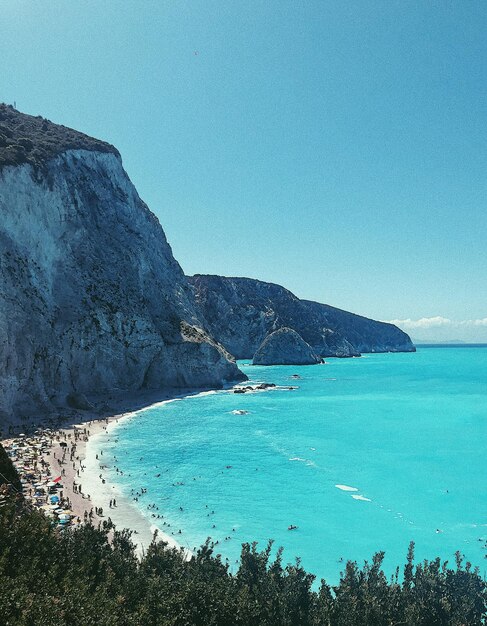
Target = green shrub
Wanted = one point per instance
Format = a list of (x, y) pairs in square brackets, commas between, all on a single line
[(80, 577)]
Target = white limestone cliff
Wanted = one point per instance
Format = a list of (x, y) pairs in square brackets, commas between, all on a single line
[(91, 298)]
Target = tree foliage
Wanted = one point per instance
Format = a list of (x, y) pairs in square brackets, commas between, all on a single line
[(80, 577), (8, 473)]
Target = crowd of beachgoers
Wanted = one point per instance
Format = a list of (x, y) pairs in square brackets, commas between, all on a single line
[(58, 480), (50, 466)]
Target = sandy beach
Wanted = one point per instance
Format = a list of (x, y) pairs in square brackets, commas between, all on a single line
[(64, 464), (60, 462)]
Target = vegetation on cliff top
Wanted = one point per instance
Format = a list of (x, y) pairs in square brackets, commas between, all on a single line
[(36, 140)]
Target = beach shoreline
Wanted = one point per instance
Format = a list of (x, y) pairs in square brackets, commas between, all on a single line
[(71, 455)]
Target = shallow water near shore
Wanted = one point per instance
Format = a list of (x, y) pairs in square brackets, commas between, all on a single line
[(366, 454)]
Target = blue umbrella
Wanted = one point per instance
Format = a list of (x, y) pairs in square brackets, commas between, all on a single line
[(54, 499)]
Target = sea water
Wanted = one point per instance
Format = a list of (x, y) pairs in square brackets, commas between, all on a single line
[(365, 454)]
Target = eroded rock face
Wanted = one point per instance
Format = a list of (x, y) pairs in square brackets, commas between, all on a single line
[(285, 347), (241, 312), (91, 298)]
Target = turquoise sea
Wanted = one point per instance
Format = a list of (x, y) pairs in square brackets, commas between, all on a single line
[(366, 454)]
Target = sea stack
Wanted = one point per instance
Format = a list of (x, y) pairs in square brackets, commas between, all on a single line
[(285, 347)]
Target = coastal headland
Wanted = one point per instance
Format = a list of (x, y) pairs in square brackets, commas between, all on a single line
[(92, 299)]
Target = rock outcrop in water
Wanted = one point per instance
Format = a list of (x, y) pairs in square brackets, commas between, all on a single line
[(285, 347), (91, 298), (241, 312)]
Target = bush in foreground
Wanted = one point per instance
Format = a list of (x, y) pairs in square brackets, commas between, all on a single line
[(80, 577)]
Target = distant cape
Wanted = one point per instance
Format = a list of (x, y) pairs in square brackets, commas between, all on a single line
[(241, 312)]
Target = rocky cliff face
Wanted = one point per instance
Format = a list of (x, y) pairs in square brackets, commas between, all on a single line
[(240, 312), (91, 298), (285, 347)]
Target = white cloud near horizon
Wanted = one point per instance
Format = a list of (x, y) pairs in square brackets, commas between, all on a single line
[(481, 322), (437, 322)]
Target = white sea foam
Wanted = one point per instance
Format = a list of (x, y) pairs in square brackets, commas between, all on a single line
[(346, 488), (362, 498), (297, 458)]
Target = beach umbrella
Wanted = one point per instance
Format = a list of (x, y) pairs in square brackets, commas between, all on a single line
[(64, 516), (51, 484), (54, 499)]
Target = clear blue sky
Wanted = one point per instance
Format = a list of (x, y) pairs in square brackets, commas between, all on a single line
[(336, 147)]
